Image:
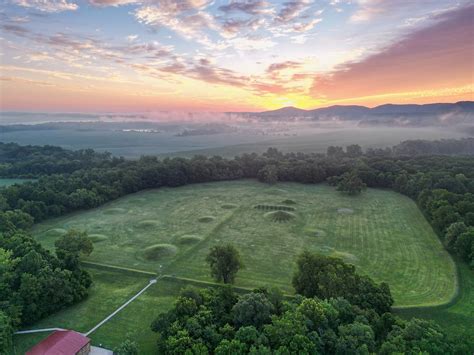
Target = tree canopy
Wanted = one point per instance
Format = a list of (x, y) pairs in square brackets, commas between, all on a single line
[(225, 262)]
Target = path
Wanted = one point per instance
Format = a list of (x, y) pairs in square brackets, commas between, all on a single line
[(105, 320), (38, 330)]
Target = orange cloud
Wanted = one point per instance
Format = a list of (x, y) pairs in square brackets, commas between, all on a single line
[(437, 57)]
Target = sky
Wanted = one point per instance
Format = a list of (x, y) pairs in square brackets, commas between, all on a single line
[(232, 55)]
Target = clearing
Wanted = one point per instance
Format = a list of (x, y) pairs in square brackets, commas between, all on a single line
[(171, 230)]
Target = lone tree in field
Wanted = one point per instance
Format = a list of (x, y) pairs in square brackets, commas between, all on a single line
[(225, 262), (71, 246), (351, 183)]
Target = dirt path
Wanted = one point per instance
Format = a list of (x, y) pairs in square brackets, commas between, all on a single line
[(105, 320)]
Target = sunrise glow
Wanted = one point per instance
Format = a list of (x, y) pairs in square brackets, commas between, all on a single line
[(226, 55)]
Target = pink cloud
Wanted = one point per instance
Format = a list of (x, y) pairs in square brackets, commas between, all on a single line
[(438, 56)]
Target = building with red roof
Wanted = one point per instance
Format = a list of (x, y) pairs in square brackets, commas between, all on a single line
[(62, 342)]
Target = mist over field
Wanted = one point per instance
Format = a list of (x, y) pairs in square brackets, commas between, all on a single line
[(231, 133)]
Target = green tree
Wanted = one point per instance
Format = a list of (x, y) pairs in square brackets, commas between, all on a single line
[(452, 234), (127, 347), (464, 245), (268, 174), (225, 262), (354, 151), (351, 183), (355, 338), (6, 334), (252, 309), (327, 277), (71, 246)]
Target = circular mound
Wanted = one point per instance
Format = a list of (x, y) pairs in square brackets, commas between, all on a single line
[(148, 223), (280, 216), (97, 238), (288, 202), (114, 210), (228, 206), (57, 232), (189, 239), (158, 251), (206, 219), (345, 210), (316, 233)]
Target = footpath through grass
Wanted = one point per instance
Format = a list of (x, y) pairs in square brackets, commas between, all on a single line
[(110, 290), (383, 233)]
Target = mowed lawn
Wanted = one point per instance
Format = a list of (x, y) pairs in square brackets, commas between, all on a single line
[(110, 290), (381, 232), (457, 318)]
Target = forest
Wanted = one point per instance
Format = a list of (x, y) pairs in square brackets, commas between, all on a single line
[(34, 282)]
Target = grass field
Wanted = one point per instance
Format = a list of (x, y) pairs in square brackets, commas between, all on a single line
[(318, 142), (457, 318), (383, 233), (134, 145), (110, 290)]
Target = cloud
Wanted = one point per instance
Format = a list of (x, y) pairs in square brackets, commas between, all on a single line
[(183, 18), (248, 7), (431, 58), (304, 27), (232, 27), (291, 10), (367, 10), (104, 3), (276, 67), (131, 38), (25, 81), (48, 5)]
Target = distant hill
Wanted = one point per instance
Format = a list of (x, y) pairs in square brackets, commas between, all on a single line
[(388, 114), (285, 112)]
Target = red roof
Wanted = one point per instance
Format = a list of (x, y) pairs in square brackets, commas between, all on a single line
[(61, 342)]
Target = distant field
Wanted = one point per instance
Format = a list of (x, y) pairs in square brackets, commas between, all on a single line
[(133, 145), (8, 182), (383, 233)]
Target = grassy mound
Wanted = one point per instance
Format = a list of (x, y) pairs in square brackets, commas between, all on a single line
[(97, 238), (189, 239), (274, 208), (345, 210), (56, 232), (228, 206), (280, 216), (114, 210), (288, 202), (148, 224), (206, 219), (158, 251)]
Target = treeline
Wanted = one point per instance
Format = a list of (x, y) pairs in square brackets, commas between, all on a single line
[(443, 186), (35, 283), (464, 146), (321, 319), (34, 161)]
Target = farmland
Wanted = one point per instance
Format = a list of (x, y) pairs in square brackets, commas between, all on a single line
[(171, 230)]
